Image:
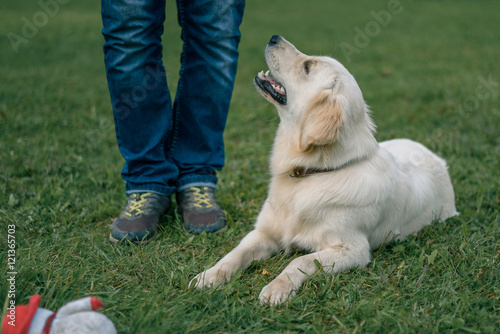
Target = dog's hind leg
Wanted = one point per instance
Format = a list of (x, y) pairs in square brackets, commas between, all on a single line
[(336, 258)]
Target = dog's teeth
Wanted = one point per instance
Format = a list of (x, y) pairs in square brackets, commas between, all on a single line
[(261, 75), (267, 73), (278, 89)]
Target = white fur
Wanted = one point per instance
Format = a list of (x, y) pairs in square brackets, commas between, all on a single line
[(385, 192)]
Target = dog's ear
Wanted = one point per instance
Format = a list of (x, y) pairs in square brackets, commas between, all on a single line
[(321, 121)]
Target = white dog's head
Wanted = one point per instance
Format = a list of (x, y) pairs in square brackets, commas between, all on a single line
[(318, 100)]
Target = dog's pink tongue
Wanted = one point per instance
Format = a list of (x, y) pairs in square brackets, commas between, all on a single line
[(277, 87)]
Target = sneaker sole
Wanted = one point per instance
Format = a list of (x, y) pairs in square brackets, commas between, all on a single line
[(204, 231), (138, 242)]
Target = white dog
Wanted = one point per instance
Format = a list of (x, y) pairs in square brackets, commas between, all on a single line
[(334, 190)]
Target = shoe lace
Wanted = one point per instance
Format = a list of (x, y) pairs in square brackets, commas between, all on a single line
[(137, 204), (201, 198)]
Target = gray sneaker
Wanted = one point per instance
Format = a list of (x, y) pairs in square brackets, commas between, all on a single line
[(200, 210), (138, 223)]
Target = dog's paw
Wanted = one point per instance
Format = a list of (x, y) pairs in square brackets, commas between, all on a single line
[(212, 277), (276, 293)]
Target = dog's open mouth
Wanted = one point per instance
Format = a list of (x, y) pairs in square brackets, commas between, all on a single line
[(271, 86)]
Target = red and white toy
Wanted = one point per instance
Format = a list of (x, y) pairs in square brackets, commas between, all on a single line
[(76, 317)]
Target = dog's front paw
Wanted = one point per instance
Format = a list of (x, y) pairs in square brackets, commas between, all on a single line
[(276, 292), (212, 277)]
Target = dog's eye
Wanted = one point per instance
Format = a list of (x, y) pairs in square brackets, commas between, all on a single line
[(307, 66)]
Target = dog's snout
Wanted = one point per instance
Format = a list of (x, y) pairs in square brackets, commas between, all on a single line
[(274, 40)]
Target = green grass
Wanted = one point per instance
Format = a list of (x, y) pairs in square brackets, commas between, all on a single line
[(423, 75)]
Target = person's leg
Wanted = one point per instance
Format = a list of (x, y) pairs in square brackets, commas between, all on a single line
[(139, 94), (210, 31), (142, 111)]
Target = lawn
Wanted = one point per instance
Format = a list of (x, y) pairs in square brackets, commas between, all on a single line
[(429, 70)]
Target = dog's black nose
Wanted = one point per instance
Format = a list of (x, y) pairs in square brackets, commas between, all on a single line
[(274, 40)]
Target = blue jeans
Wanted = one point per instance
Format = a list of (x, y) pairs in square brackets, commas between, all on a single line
[(168, 147)]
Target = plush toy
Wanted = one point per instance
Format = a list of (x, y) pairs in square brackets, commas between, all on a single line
[(76, 317)]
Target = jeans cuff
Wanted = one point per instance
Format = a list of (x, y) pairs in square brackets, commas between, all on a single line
[(151, 188), (197, 184), (196, 180)]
